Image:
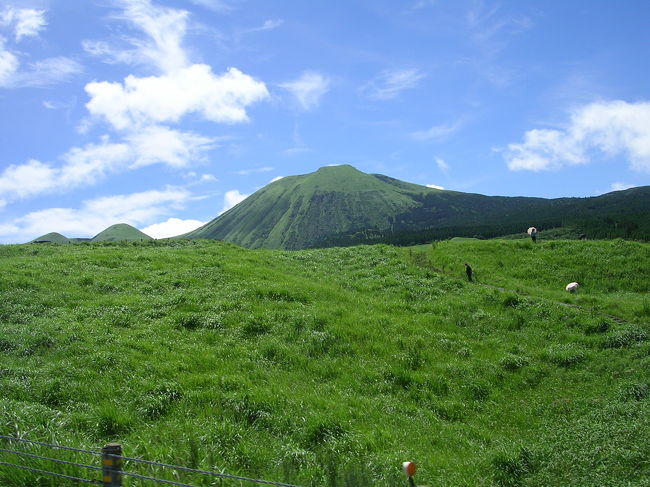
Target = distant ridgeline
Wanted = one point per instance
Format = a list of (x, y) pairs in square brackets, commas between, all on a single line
[(115, 233), (339, 205)]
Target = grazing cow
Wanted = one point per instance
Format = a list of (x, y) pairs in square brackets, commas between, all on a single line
[(572, 287)]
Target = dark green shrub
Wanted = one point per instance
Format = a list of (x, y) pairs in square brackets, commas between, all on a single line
[(624, 337), (633, 391), (567, 355), (513, 362), (510, 469)]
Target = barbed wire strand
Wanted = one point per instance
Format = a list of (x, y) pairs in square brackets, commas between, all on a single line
[(11, 438), (31, 455), (69, 477), (203, 472)]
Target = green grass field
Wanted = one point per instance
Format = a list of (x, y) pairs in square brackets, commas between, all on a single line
[(331, 367)]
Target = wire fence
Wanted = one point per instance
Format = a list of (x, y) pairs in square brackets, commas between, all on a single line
[(112, 469)]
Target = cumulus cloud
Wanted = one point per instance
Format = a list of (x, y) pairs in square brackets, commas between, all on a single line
[(389, 84), (613, 128), (621, 186), (308, 89), (172, 228), (142, 101), (232, 198), (434, 186), (161, 144), (89, 164), (95, 215), (82, 166), (26, 22)]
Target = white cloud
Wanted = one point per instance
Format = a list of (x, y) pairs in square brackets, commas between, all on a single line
[(172, 228), (47, 72), (165, 28), (26, 22), (621, 186), (82, 166), (232, 198), (161, 144), (615, 128), (442, 165), (143, 101), (437, 132), (389, 84), (95, 215), (37, 74), (270, 24), (216, 5), (308, 89), (87, 165), (23, 180), (434, 186), (8, 66), (277, 178), (246, 172)]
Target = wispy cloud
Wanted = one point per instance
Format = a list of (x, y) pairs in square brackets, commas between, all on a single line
[(216, 5), (308, 89), (611, 127), (299, 145), (389, 84), (270, 24), (91, 163), (246, 172), (442, 165), (26, 22), (40, 73), (437, 132), (165, 29)]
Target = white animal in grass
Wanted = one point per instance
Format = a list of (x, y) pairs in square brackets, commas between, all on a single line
[(572, 287)]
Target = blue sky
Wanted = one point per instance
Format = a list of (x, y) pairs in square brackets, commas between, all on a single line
[(164, 113)]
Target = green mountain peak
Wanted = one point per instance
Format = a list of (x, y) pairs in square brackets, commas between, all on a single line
[(120, 232), (339, 205)]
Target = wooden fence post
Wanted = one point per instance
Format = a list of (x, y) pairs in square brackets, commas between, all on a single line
[(111, 465)]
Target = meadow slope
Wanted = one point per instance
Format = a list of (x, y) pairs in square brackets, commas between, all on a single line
[(332, 366)]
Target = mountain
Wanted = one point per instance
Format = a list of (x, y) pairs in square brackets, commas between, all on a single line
[(120, 232), (340, 205), (52, 237)]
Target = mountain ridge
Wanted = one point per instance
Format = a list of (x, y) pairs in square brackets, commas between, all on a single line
[(340, 205)]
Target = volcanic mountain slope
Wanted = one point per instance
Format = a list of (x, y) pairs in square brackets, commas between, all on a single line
[(52, 237), (340, 205), (120, 232)]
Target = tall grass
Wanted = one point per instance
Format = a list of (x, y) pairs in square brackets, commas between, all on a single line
[(319, 367)]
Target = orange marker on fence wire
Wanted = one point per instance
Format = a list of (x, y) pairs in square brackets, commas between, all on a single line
[(409, 471)]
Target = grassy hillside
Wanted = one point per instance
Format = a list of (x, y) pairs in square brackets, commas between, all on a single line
[(338, 206), (121, 232), (329, 367), (613, 276), (52, 237)]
